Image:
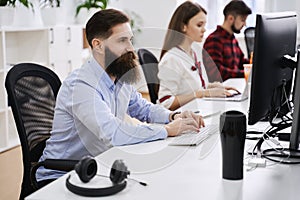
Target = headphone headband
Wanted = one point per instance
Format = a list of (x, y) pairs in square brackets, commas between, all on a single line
[(95, 192)]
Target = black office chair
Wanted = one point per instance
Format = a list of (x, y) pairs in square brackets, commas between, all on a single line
[(149, 65), (249, 39), (32, 91)]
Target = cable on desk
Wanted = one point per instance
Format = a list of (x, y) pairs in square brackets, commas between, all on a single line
[(284, 155)]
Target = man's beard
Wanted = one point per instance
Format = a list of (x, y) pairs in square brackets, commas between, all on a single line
[(124, 68), (235, 30)]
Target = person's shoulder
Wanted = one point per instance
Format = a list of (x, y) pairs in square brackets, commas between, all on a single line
[(173, 55), (172, 63), (172, 52), (213, 39), (215, 35), (84, 75), (72, 77)]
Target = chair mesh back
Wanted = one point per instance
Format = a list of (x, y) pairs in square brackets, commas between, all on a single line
[(36, 102), (249, 39), (31, 91), (150, 69)]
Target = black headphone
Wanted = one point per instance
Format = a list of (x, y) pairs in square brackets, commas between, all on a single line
[(86, 169)]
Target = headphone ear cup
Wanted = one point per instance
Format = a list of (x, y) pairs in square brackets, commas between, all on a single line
[(86, 168), (118, 172)]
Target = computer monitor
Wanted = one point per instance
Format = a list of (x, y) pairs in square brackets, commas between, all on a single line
[(275, 36), (295, 133)]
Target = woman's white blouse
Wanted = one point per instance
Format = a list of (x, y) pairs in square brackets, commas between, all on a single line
[(178, 76)]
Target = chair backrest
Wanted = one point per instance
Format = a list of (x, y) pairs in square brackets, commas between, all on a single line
[(149, 65), (32, 91), (249, 39)]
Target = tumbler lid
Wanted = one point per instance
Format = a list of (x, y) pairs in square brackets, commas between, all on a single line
[(232, 121)]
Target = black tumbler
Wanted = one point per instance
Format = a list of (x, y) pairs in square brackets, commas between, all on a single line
[(233, 135)]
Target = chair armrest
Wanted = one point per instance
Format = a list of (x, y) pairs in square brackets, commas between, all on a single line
[(55, 164)]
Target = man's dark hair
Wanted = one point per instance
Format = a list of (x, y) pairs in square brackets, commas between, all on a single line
[(101, 23), (236, 7)]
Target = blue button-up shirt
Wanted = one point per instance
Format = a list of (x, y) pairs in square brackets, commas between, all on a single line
[(89, 117)]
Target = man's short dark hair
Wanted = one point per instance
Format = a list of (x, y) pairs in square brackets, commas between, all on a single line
[(101, 23), (236, 7)]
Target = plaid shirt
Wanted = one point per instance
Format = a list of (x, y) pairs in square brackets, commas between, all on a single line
[(222, 56)]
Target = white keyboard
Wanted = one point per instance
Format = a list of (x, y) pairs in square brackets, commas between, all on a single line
[(194, 138)]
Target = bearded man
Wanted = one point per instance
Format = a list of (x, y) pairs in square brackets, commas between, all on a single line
[(93, 101)]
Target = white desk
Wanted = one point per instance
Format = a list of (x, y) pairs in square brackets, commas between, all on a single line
[(186, 173)]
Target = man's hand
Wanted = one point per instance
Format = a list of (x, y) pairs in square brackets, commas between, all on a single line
[(190, 114), (185, 121)]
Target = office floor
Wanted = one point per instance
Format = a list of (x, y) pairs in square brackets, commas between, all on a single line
[(10, 173)]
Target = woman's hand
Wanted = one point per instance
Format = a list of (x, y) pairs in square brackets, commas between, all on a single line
[(219, 93), (215, 85)]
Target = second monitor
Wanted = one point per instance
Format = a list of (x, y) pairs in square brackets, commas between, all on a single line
[(275, 36)]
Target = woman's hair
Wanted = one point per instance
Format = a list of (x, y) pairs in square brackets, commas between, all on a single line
[(101, 23), (181, 17)]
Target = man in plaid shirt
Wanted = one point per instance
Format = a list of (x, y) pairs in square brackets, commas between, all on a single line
[(222, 56)]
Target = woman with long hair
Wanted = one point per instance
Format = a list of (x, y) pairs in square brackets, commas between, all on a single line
[(182, 78)]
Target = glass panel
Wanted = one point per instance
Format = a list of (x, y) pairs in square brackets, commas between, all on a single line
[(2, 92), (3, 134)]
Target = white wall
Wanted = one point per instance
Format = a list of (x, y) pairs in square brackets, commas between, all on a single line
[(155, 15)]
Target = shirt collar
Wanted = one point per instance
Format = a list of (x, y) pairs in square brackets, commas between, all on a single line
[(224, 32), (100, 72)]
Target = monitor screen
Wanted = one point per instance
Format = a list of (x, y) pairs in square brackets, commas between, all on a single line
[(295, 133), (275, 36)]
